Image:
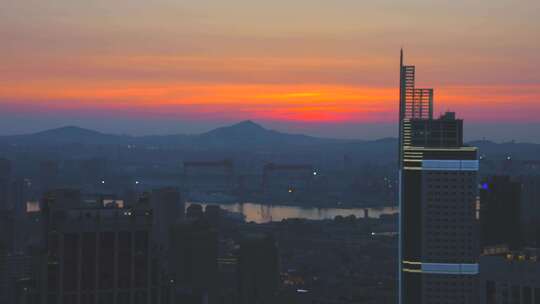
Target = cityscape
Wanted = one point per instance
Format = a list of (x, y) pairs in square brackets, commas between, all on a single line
[(160, 162)]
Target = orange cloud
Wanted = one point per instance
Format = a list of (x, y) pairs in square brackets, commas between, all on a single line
[(304, 102)]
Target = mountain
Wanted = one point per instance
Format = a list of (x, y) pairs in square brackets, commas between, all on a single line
[(247, 134), (250, 136), (65, 135)]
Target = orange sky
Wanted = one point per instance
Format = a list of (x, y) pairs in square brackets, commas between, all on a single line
[(308, 62), (303, 102)]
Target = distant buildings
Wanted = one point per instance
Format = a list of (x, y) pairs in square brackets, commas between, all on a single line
[(530, 209), (49, 171), (209, 176), (500, 212), (513, 277), (217, 182), (287, 182), (5, 180), (438, 246)]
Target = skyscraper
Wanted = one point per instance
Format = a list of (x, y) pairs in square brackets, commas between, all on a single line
[(530, 209), (500, 210), (438, 245), (5, 176), (258, 269), (194, 245), (95, 254), (168, 207)]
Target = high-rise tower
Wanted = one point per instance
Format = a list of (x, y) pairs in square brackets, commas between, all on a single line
[(438, 239)]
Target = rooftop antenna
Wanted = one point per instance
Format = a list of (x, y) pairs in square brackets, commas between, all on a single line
[(401, 56)]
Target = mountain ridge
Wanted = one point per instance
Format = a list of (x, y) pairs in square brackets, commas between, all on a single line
[(244, 135)]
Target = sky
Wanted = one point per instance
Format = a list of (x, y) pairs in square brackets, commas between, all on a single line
[(325, 68)]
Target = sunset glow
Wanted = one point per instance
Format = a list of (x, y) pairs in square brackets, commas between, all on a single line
[(314, 103), (205, 61)]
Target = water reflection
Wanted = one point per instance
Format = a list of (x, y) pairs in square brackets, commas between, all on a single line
[(260, 213)]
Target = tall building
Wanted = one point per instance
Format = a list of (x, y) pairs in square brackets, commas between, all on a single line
[(167, 207), (96, 254), (3, 271), (500, 199), (20, 196), (5, 177), (258, 269), (194, 245), (438, 239), (530, 209)]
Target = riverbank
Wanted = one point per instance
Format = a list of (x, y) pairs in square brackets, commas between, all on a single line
[(264, 213)]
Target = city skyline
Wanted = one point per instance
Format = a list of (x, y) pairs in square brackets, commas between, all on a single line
[(269, 152), (323, 69)]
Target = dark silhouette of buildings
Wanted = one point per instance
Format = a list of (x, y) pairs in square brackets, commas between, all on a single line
[(438, 246), (530, 209), (168, 208), (512, 277), (95, 254), (5, 179), (49, 171), (287, 182), (500, 199), (17, 270), (194, 264), (96, 249), (194, 211), (209, 176), (212, 214), (258, 269), (20, 196), (3, 271)]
